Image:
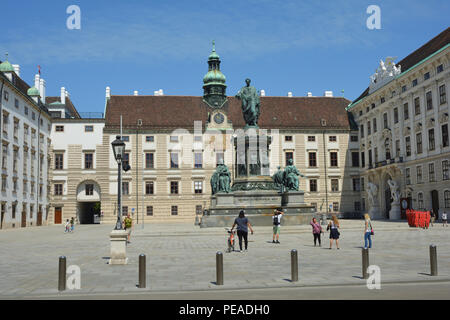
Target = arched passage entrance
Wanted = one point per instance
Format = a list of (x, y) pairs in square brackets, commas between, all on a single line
[(88, 202)]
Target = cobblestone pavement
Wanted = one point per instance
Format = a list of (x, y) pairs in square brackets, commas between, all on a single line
[(181, 257)]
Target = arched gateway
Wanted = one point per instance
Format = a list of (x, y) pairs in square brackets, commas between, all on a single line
[(88, 202)]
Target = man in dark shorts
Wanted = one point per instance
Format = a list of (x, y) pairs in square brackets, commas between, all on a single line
[(242, 229)]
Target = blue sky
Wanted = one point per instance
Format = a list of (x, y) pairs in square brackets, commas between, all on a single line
[(282, 46)]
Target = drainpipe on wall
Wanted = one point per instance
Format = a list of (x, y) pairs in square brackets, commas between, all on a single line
[(137, 176), (325, 165), (39, 162)]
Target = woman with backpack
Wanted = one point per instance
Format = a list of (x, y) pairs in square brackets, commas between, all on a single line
[(277, 214), (368, 231), (334, 232)]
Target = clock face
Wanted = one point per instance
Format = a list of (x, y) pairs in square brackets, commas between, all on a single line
[(219, 118)]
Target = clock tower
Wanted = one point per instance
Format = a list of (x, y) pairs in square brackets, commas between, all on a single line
[(214, 87)]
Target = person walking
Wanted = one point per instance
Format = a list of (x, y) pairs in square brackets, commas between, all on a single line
[(72, 224), (243, 225), (316, 230), (67, 226), (334, 232), (367, 231), (128, 224), (432, 217), (276, 219), (444, 219)]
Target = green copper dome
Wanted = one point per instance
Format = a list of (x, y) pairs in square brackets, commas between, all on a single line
[(214, 76), (5, 66), (33, 92), (214, 55), (214, 87)]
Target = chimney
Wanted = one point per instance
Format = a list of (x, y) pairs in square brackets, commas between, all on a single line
[(42, 89), (289, 94), (328, 94), (108, 93), (161, 92), (63, 95), (263, 93), (156, 93), (37, 82), (309, 94), (67, 94), (136, 93), (16, 69)]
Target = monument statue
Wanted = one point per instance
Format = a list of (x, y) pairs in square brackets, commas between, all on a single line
[(221, 180), (250, 104), (278, 179), (372, 194), (291, 175), (395, 194)]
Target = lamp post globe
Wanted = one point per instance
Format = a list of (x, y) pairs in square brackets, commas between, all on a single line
[(118, 147)]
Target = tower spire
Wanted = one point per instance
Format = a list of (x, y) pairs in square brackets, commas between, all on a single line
[(214, 87)]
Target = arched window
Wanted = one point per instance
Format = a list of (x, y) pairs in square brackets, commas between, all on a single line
[(447, 198), (420, 200)]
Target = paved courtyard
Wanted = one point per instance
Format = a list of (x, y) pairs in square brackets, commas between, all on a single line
[(181, 257)]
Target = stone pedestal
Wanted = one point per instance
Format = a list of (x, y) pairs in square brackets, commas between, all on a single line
[(395, 212), (375, 212), (118, 240)]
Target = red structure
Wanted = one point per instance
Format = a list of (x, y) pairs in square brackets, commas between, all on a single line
[(418, 219)]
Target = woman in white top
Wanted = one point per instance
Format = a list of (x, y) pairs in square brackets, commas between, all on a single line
[(367, 231)]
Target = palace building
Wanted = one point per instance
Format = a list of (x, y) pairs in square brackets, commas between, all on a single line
[(403, 120)]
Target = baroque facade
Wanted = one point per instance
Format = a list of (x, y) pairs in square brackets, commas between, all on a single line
[(403, 120)]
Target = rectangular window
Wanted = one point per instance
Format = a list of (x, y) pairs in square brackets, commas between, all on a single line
[(149, 160), (426, 76), (88, 160), (59, 161), (332, 138), (173, 187), (59, 128), (126, 159), (442, 95), (89, 128), (335, 206), (149, 187), (362, 131), (419, 174), (125, 138), (149, 210), (198, 160), (419, 143), (420, 200), (408, 146), (363, 160), (414, 83), (445, 141), (220, 159), (174, 160), (288, 138), (58, 189), (149, 139), (174, 211), (173, 139), (333, 159), (289, 155), (198, 138), (370, 157), (397, 148), (311, 138), (395, 115), (89, 189), (408, 176), (124, 210), (445, 170), (198, 209), (403, 88), (313, 185), (355, 159), (429, 100), (334, 185), (312, 159), (431, 144), (385, 120), (417, 106), (198, 187), (368, 128), (405, 111), (440, 68), (354, 138), (356, 184), (125, 188), (431, 175), (362, 184)]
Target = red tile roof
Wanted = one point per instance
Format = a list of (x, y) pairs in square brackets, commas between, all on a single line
[(170, 112)]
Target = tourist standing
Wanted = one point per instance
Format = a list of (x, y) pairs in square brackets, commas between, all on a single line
[(334, 232), (444, 218), (72, 224), (432, 216), (316, 230), (243, 225), (367, 231), (128, 224), (276, 219), (67, 226)]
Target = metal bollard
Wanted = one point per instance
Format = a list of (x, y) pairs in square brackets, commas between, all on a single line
[(219, 268), (365, 262), (142, 271), (294, 265), (433, 260), (62, 274)]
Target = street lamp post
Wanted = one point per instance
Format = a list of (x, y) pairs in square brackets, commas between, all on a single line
[(118, 147)]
